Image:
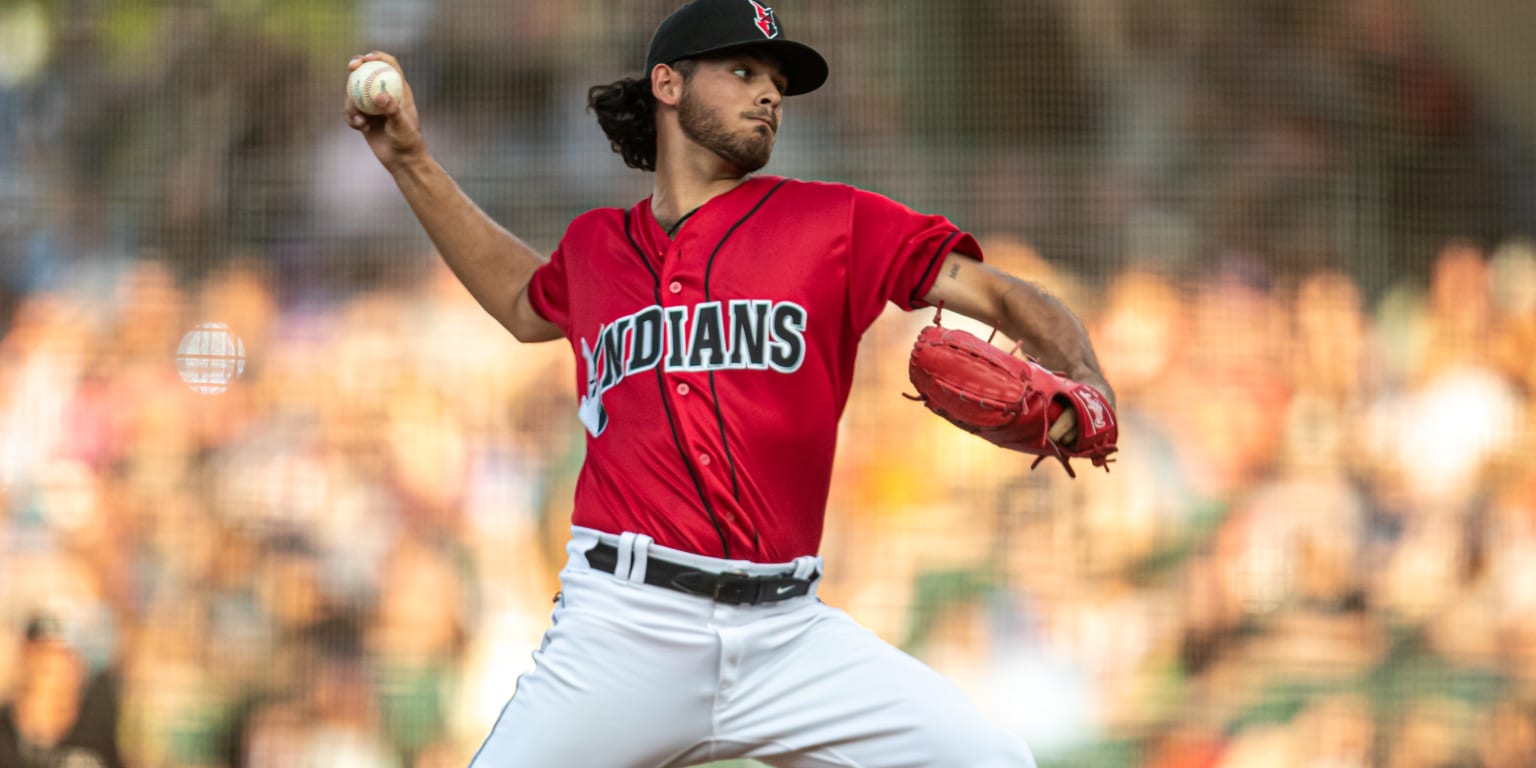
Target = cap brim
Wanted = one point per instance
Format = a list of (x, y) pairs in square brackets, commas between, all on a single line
[(803, 67)]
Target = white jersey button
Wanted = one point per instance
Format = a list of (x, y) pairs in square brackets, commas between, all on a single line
[(675, 287), (704, 459), (682, 388)]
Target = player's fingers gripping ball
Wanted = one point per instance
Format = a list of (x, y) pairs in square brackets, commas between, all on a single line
[(368, 81), (1009, 400)]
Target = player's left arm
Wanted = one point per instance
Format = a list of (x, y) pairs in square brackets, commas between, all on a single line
[(1041, 323)]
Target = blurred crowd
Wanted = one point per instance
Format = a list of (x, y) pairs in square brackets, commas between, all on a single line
[(1301, 243), (1318, 546)]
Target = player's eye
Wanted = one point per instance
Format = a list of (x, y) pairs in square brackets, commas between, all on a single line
[(742, 72)]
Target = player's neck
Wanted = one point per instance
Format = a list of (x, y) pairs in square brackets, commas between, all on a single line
[(685, 183)]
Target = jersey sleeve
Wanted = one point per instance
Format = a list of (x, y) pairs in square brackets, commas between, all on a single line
[(549, 291), (896, 253)]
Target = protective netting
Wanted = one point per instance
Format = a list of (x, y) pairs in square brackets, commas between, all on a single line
[(277, 488)]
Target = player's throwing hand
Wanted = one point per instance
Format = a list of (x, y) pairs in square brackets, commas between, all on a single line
[(395, 132)]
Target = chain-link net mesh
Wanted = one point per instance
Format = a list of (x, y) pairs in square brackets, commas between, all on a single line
[(274, 491)]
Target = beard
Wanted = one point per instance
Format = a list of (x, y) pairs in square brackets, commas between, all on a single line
[(748, 153)]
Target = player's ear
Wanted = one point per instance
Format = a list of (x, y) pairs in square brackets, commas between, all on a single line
[(666, 84)]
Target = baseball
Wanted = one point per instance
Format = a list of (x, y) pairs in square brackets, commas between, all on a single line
[(370, 80)]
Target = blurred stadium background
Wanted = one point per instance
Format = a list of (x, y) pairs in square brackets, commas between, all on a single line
[(1299, 231)]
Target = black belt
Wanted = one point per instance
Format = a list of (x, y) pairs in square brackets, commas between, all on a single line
[(733, 588)]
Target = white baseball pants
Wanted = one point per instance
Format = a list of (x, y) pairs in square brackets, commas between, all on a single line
[(631, 675)]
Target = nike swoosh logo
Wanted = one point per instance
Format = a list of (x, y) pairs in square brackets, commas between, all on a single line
[(782, 590)]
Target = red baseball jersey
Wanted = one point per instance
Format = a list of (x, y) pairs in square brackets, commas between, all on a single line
[(713, 368)]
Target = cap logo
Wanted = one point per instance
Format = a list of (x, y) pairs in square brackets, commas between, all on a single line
[(765, 22)]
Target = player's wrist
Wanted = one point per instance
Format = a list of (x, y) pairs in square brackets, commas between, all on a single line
[(1091, 377), (413, 161), (1102, 387)]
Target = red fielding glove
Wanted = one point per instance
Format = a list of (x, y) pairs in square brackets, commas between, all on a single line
[(1009, 400)]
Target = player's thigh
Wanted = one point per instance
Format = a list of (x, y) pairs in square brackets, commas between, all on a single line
[(841, 696), (604, 692)]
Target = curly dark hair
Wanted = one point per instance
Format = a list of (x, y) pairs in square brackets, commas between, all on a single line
[(626, 110)]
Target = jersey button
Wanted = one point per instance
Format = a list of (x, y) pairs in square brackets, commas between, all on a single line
[(682, 388), (704, 459), (675, 287)]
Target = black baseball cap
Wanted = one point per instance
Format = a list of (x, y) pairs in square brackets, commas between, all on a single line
[(711, 26)]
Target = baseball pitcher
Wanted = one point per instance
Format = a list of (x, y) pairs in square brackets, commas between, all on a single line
[(714, 326)]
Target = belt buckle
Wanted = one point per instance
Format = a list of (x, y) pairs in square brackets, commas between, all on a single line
[(725, 579)]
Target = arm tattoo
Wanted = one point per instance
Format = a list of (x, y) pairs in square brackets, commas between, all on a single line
[(954, 270)]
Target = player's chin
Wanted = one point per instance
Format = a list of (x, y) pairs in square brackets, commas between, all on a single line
[(762, 146), (750, 156), (754, 163)]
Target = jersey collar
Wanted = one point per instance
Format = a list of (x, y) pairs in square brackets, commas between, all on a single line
[(741, 194)]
